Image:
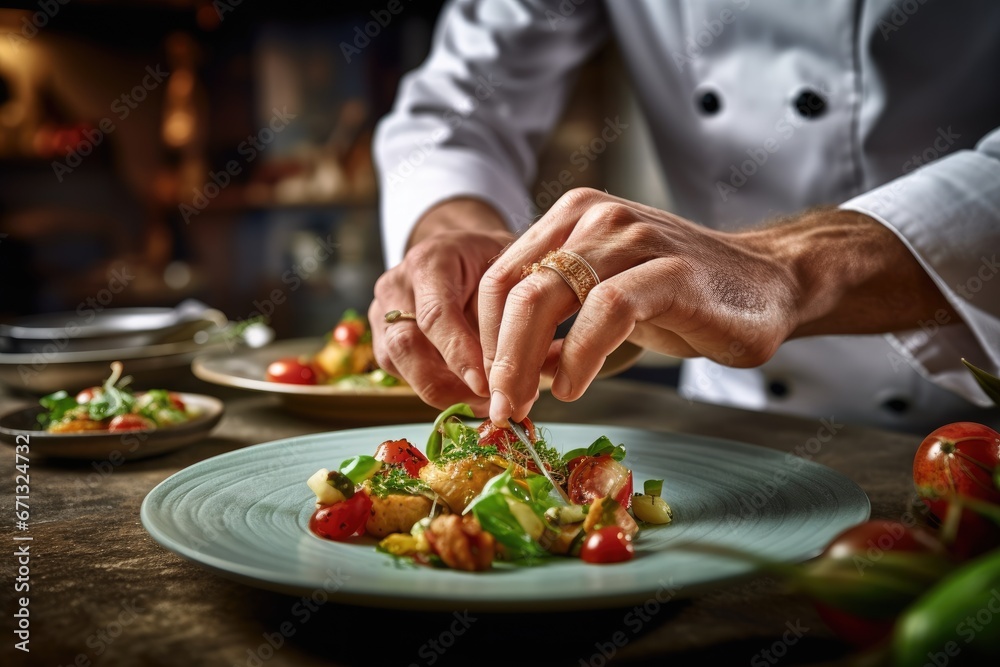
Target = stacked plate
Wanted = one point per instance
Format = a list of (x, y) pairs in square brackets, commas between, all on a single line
[(45, 353)]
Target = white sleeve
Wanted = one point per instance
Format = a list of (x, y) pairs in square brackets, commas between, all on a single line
[(472, 118), (948, 215)]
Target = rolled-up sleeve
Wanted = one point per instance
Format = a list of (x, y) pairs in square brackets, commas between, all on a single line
[(948, 215), (469, 122)]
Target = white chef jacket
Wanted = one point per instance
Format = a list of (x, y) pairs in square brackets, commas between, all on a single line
[(756, 108)]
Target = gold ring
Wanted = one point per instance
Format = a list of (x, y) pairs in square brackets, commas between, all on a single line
[(397, 315), (571, 267)]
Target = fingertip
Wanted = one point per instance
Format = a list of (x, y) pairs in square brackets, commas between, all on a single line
[(500, 408), (476, 381)]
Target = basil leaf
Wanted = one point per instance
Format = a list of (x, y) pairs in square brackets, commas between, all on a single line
[(989, 383), (435, 441), (496, 518), (57, 405), (603, 446)]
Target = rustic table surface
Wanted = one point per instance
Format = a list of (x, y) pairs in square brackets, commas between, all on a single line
[(102, 592)]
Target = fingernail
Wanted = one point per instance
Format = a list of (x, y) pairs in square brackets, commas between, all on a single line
[(500, 407), (561, 385), (476, 381)]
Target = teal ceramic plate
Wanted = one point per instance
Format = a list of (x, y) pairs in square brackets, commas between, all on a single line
[(245, 515)]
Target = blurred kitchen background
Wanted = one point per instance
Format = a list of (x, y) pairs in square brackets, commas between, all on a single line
[(221, 151)]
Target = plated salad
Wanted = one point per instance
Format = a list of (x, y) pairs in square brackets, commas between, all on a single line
[(345, 360), (114, 407), (474, 497)]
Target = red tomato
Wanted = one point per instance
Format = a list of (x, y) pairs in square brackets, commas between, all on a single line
[(344, 519), (866, 540), (960, 459), (88, 394), (348, 332), (599, 476), (491, 435), (401, 453), (607, 545), (176, 401), (130, 422), (291, 370)]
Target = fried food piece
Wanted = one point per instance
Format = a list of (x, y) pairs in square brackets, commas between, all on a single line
[(396, 513), (458, 482), (77, 426), (461, 542)]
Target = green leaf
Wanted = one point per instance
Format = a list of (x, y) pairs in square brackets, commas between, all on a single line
[(989, 383), (435, 441), (496, 518), (603, 446), (359, 468), (57, 405)]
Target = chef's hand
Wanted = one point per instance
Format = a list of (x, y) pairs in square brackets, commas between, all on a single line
[(675, 287), (439, 353)]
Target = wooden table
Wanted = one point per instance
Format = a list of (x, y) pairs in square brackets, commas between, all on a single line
[(102, 592)]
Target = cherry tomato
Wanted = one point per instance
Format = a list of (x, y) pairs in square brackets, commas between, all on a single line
[(177, 401), (88, 394), (866, 541), (609, 544), (401, 453), (291, 370), (959, 459), (348, 332), (491, 435), (130, 422), (599, 476), (344, 519)]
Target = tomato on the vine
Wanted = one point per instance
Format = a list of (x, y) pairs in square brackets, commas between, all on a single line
[(599, 476), (344, 519), (959, 459), (609, 544), (292, 370), (401, 453), (865, 543)]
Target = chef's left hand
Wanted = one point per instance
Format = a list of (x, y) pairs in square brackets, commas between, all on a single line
[(684, 290)]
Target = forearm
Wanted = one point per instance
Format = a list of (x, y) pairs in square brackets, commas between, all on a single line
[(463, 214), (854, 276)]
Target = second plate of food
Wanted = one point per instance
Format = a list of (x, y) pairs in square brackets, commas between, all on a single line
[(354, 403)]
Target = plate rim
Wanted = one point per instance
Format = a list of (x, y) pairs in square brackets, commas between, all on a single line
[(264, 579)]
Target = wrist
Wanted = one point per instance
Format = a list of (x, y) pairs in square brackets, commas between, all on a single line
[(849, 274), (465, 214)]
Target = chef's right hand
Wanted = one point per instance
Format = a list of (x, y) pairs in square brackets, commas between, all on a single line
[(439, 354)]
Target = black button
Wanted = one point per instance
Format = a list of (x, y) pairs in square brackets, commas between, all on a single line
[(709, 103), (897, 405), (777, 388), (809, 104)]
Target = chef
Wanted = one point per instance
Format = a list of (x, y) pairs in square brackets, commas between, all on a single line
[(834, 248)]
